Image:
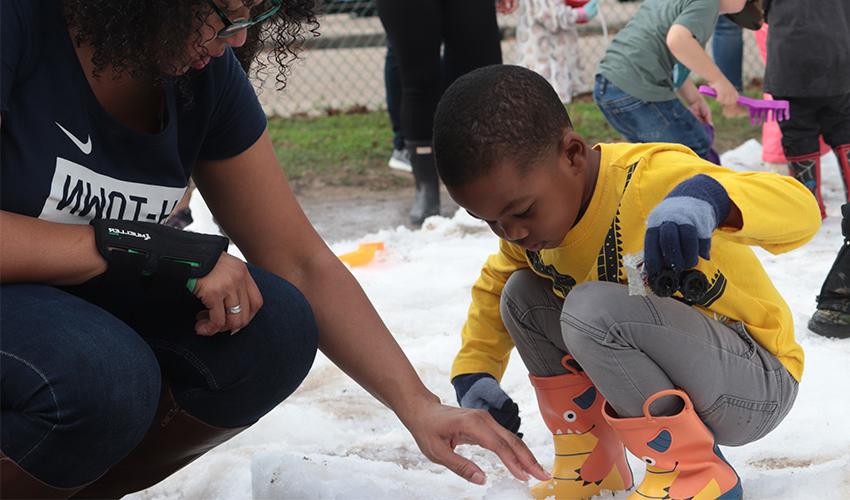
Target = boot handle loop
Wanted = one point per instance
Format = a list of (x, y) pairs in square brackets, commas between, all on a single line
[(571, 365), (667, 392)]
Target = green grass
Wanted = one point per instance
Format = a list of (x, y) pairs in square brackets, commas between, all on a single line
[(353, 149), (343, 149)]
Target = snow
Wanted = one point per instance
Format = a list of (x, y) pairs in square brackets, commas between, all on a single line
[(331, 440)]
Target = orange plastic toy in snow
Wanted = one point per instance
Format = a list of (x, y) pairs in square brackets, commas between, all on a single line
[(363, 255)]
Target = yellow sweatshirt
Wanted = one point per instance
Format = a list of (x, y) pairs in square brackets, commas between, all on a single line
[(779, 215)]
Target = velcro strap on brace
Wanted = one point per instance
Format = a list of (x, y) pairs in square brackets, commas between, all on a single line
[(156, 250)]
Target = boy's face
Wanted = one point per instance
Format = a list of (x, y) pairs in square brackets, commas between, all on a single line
[(534, 209)]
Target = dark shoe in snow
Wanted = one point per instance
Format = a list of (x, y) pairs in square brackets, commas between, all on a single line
[(835, 324)]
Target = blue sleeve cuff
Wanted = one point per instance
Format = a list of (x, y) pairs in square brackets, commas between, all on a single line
[(707, 189), (462, 383)]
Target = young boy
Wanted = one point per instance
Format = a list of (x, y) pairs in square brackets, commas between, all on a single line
[(720, 368), (638, 78)]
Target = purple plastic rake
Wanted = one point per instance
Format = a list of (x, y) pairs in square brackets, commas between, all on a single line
[(761, 110)]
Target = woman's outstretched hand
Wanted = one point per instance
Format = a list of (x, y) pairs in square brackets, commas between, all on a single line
[(230, 295), (438, 429)]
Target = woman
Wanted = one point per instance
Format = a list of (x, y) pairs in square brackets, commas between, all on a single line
[(129, 348)]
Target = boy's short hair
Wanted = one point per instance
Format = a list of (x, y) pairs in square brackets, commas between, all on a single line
[(492, 114)]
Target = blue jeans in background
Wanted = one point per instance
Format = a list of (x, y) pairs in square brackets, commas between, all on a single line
[(727, 48), (641, 121), (81, 383)]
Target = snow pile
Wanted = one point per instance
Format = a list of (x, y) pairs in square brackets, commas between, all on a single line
[(331, 440)]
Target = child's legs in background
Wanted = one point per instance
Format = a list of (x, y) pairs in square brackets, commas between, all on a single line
[(641, 121), (727, 47), (800, 131), (771, 137), (771, 143), (834, 120), (531, 312), (800, 141), (634, 346), (835, 126)]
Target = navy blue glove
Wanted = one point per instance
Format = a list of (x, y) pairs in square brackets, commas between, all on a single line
[(679, 229), (481, 391)]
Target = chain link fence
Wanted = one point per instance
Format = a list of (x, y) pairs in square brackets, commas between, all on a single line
[(343, 69)]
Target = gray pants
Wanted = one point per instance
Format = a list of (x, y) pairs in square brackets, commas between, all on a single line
[(634, 346)]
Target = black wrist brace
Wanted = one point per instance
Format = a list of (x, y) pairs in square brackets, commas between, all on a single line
[(149, 249)]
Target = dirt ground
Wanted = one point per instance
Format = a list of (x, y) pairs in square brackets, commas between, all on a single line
[(350, 212)]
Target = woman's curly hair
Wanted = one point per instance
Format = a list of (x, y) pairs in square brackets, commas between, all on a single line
[(147, 38)]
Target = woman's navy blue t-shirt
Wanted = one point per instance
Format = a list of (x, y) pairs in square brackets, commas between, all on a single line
[(64, 159)]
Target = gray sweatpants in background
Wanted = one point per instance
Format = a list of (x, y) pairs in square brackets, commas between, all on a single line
[(634, 346)]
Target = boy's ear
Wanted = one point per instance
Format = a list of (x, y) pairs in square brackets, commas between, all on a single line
[(574, 148)]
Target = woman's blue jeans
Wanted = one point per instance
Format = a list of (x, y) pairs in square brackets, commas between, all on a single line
[(642, 121), (81, 381)]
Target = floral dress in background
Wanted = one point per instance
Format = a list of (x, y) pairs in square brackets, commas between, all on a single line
[(547, 42)]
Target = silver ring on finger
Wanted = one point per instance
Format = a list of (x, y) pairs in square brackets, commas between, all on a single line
[(233, 309)]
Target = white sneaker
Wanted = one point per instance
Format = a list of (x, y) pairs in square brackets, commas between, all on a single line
[(400, 160)]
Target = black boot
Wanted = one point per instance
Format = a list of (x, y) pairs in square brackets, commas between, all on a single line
[(832, 318), (427, 199)]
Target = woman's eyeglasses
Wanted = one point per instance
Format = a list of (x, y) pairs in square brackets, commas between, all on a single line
[(233, 26)]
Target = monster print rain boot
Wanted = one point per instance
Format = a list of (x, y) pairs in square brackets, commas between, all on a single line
[(682, 459), (589, 457)]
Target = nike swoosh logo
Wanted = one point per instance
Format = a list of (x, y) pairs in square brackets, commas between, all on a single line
[(85, 147)]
